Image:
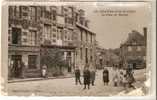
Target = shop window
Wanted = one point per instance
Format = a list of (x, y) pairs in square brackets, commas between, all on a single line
[(32, 61)]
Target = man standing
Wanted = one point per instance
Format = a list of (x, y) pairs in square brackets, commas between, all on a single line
[(22, 69), (92, 74), (77, 76), (86, 75)]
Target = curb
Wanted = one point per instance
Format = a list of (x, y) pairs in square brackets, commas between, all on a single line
[(37, 79)]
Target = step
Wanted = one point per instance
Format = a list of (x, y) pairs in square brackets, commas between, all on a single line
[(32, 73)]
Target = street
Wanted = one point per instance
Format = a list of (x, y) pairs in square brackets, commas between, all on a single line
[(63, 87)]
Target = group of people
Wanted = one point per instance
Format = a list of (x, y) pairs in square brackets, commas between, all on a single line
[(88, 75), (120, 77), (123, 78)]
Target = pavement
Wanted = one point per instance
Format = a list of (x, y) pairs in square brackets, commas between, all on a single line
[(64, 87), (38, 79)]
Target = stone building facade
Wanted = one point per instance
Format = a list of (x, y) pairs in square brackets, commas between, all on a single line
[(35, 28), (133, 51)]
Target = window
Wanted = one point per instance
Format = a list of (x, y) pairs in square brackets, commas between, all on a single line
[(65, 34), (81, 35), (91, 38), (47, 14), (24, 37), (17, 11), (32, 61), (138, 48), (9, 36), (25, 11), (54, 41), (54, 29), (86, 55), (76, 17), (16, 36), (59, 33), (81, 20), (86, 23), (129, 48), (33, 13), (54, 35), (69, 34), (11, 11), (81, 55), (86, 36), (54, 15), (47, 31), (32, 38), (144, 58)]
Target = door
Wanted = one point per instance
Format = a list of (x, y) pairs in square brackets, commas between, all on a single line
[(69, 61), (134, 65), (15, 71), (32, 61)]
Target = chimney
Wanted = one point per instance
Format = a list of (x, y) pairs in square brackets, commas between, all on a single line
[(145, 34)]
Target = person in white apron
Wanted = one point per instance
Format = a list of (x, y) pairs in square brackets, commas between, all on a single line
[(44, 71)]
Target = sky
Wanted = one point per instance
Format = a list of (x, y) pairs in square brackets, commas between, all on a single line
[(113, 30)]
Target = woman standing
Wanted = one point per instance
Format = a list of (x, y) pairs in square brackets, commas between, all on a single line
[(105, 76)]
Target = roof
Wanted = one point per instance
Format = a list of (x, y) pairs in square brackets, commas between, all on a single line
[(85, 28), (57, 46), (135, 38)]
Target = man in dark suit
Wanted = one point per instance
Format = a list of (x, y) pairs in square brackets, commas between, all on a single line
[(77, 76), (86, 75)]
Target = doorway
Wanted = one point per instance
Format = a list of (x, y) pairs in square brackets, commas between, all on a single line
[(16, 70)]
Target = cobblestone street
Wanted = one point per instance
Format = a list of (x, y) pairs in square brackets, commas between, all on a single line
[(63, 87)]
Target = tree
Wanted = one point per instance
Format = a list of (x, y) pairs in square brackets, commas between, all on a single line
[(53, 58)]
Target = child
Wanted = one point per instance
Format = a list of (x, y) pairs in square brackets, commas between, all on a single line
[(115, 80), (121, 78), (124, 81), (44, 71)]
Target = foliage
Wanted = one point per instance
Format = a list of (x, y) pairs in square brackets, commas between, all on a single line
[(52, 57)]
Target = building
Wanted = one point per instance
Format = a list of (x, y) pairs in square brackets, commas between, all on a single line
[(36, 29), (133, 50), (107, 57), (24, 38), (86, 43)]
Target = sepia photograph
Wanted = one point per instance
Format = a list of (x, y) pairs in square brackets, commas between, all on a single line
[(78, 49)]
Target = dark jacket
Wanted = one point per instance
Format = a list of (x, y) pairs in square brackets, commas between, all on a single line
[(86, 75), (92, 75), (77, 73), (105, 76)]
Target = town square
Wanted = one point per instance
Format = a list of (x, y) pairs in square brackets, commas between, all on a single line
[(72, 50)]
